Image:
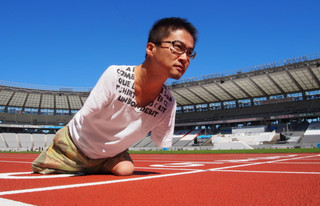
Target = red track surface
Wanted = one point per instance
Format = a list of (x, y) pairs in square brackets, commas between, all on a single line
[(209, 179)]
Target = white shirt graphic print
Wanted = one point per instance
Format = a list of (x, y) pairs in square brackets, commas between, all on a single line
[(110, 120)]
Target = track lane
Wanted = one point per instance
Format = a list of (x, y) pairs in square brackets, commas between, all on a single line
[(210, 167)]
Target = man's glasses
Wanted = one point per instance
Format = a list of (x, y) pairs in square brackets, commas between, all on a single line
[(179, 48)]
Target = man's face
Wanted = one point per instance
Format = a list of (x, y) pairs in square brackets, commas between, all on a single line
[(173, 64)]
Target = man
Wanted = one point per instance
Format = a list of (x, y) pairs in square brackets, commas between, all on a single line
[(124, 106)]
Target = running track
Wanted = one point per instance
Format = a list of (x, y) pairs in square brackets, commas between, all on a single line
[(163, 179)]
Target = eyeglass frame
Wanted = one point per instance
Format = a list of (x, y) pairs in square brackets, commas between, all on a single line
[(192, 54)]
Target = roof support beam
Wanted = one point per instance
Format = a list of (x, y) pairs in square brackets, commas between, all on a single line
[(294, 80), (188, 100), (214, 96), (245, 92), (204, 101), (257, 86), (275, 83), (225, 91), (314, 77)]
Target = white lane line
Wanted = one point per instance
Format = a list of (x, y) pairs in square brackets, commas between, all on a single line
[(269, 172), (298, 163), (15, 162), (259, 163), (178, 161), (8, 202), (166, 168), (13, 175), (5, 161), (94, 183), (141, 178)]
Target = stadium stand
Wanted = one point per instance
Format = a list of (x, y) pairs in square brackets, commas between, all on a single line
[(146, 141), (187, 139), (11, 139), (2, 142), (202, 139), (222, 143), (312, 134), (281, 98), (48, 139), (39, 142), (294, 136), (244, 138), (25, 141)]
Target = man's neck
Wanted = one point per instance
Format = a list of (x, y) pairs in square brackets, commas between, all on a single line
[(148, 84)]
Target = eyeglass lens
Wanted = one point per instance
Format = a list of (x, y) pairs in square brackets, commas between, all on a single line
[(181, 48)]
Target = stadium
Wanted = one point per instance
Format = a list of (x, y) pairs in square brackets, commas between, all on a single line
[(247, 118), (274, 105)]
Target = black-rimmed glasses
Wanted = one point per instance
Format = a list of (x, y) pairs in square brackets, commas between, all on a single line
[(180, 48)]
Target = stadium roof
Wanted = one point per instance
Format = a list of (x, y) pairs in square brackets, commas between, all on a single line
[(292, 77), (289, 76)]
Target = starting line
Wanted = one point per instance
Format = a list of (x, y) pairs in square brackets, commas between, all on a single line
[(13, 175)]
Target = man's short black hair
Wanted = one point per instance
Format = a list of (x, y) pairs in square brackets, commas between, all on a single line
[(162, 28)]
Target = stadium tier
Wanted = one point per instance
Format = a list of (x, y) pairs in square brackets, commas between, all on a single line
[(283, 98)]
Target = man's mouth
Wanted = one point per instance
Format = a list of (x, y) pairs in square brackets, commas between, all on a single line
[(180, 68)]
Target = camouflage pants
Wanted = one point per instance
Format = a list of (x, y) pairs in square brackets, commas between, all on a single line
[(62, 156)]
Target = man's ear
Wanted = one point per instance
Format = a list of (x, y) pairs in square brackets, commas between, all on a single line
[(150, 48)]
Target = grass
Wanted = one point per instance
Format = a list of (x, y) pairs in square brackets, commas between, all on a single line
[(25, 152), (255, 151)]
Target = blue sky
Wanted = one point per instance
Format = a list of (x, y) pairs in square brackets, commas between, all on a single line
[(70, 43)]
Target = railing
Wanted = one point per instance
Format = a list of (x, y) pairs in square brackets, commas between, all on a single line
[(248, 69), (44, 87), (170, 82)]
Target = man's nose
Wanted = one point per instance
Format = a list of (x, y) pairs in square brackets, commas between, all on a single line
[(184, 57)]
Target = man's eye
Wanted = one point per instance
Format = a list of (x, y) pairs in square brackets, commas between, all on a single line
[(189, 53), (179, 47)]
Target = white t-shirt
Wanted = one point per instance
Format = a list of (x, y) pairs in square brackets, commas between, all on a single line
[(110, 121)]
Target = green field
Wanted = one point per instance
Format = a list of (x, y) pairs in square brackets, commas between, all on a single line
[(255, 151)]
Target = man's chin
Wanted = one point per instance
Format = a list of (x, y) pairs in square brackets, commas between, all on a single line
[(176, 76)]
